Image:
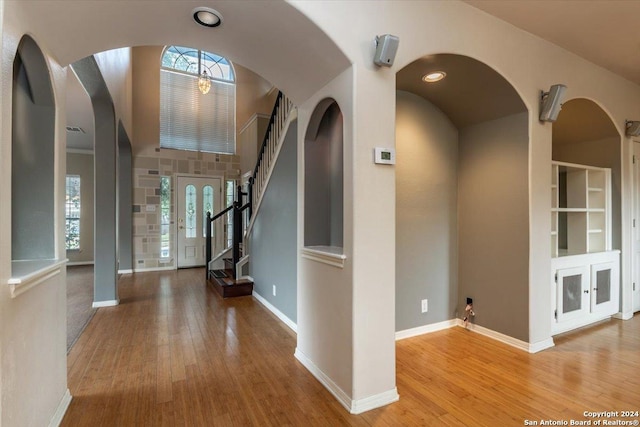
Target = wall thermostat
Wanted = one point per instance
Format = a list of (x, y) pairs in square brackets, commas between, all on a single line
[(385, 156)]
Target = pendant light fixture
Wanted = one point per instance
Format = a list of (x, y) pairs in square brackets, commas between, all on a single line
[(204, 82)]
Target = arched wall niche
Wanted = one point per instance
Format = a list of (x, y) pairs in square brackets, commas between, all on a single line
[(585, 134), (462, 196), (324, 177), (33, 156)]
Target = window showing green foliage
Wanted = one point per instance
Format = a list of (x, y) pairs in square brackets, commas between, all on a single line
[(72, 213)]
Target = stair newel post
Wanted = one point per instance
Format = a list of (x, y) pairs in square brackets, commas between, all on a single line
[(237, 228), (207, 245), (250, 196)]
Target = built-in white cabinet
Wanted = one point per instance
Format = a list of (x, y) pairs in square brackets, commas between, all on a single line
[(585, 271), (580, 209), (585, 289)]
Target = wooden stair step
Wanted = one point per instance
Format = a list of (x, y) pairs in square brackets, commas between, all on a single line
[(229, 287)]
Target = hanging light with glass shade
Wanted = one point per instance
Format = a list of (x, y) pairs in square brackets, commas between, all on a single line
[(204, 82)]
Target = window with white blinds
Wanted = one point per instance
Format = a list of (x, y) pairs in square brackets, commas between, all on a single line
[(190, 120)]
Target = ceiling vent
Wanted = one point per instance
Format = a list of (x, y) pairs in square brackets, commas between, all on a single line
[(77, 129)]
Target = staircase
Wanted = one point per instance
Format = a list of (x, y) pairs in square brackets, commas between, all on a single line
[(224, 274), (223, 281)]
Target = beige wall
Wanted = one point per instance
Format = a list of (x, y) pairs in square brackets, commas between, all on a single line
[(82, 164), (33, 354), (253, 95), (250, 140), (426, 213), (493, 224)]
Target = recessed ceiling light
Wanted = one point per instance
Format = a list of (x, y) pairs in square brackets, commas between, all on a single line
[(434, 76), (207, 17)]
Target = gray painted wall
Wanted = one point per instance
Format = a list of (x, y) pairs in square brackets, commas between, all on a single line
[(32, 151), (604, 153), (323, 222), (105, 167), (426, 212), (273, 241), (493, 221), (82, 165)]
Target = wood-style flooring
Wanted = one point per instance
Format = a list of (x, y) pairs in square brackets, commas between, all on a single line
[(174, 353)]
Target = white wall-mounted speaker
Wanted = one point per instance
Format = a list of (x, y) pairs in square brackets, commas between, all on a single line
[(632, 127), (551, 103), (386, 48)]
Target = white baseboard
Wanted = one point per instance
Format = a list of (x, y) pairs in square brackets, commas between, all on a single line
[(61, 409), (353, 406), (506, 339), (372, 402), (541, 345), (280, 315), (333, 388), (624, 316), (426, 329), (111, 303), (144, 270), (72, 264), (125, 271)]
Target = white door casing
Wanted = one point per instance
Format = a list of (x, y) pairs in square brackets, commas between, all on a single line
[(636, 227), (196, 195)]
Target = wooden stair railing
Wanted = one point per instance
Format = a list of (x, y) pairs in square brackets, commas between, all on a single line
[(258, 181)]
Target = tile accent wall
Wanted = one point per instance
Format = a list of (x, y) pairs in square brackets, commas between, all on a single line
[(147, 170)]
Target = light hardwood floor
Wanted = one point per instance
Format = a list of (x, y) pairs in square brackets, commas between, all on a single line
[(174, 353)]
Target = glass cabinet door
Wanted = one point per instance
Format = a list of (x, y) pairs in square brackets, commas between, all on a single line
[(572, 297), (604, 288)]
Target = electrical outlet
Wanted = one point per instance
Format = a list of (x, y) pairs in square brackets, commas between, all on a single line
[(274, 290), (425, 305)]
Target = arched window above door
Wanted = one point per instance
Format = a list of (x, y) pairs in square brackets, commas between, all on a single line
[(190, 119)]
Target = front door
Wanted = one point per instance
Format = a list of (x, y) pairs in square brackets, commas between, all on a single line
[(195, 197)]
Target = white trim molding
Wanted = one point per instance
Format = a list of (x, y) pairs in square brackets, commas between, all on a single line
[(110, 303), (280, 315), (372, 402), (353, 406), (541, 345), (147, 269), (61, 409), (426, 329), (506, 339), (31, 273), (624, 316), (129, 271), (330, 255), (333, 388)]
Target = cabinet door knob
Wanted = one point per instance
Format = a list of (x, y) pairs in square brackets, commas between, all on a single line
[(586, 291)]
